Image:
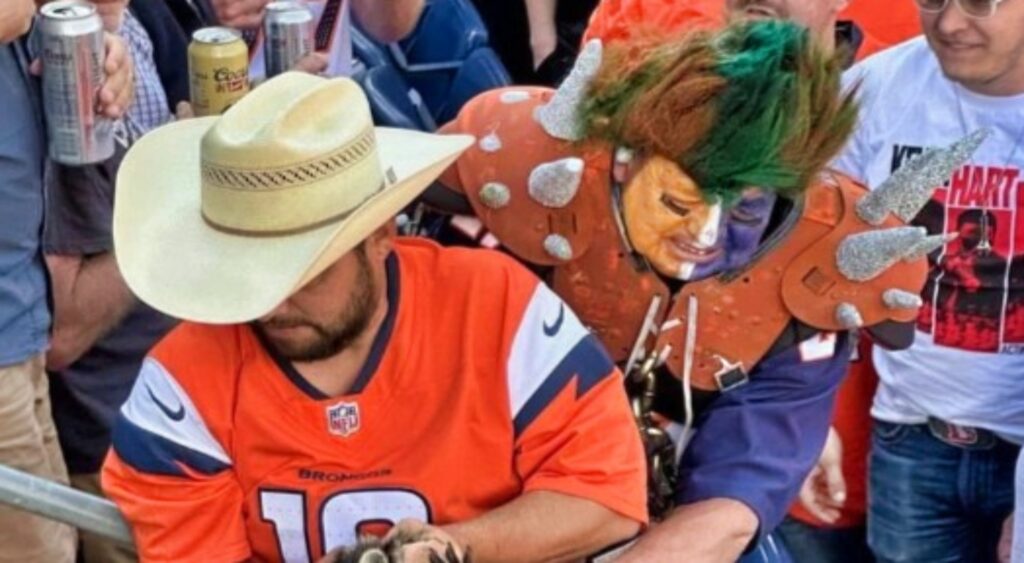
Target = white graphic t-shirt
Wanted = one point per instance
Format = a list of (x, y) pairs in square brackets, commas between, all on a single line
[(967, 363)]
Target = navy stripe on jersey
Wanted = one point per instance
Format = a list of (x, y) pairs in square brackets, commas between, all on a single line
[(588, 363), (151, 453), (159, 428)]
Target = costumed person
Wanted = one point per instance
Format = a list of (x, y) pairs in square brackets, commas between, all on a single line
[(829, 523), (330, 380), (674, 195)]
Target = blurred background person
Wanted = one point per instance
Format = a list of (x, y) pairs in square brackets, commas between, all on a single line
[(28, 440)]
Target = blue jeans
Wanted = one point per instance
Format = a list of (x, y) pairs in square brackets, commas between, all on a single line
[(931, 502), (811, 544)]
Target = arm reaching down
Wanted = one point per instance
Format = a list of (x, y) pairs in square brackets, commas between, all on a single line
[(542, 526), (89, 298)]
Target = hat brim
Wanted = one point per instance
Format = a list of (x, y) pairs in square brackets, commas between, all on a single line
[(175, 262)]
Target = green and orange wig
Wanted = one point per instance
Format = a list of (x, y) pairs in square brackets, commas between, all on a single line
[(757, 104)]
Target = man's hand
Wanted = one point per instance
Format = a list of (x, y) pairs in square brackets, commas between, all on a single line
[(240, 14), (1005, 549), (15, 18), (111, 12), (313, 63), (118, 88), (824, 491), (184, 111), (411, 541), (420, 542)]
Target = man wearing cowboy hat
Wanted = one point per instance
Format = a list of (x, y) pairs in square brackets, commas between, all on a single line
[(331, 380)]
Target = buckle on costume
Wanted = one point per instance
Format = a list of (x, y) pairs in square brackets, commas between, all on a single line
[(730, 376)]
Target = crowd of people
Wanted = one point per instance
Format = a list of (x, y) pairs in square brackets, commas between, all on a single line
[(751, 292)]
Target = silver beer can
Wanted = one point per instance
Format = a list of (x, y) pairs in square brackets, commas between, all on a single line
[(287, 35), (72, 49)]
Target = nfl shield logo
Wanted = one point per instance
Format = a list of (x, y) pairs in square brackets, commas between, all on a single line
[(343, 419)]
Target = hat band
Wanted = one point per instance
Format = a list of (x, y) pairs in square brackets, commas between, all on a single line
[(310, 171), (263, 233)]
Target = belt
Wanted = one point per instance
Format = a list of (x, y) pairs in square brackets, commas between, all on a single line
[(964, 437)]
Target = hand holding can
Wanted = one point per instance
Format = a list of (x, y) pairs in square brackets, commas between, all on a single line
[(73, 51), (287, 36)]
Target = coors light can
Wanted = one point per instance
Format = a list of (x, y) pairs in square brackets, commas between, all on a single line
[(218, 67), (287, 36), (71, 43)]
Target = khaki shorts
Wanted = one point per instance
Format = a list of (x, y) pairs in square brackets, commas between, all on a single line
[(28, 441)]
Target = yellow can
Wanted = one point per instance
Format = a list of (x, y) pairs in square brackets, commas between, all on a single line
[(218, 66)]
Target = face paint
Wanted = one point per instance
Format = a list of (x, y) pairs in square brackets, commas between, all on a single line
[(707, 238), (681, 234), (744, 225)]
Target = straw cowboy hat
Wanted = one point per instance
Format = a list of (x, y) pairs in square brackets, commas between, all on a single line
[(220, 219)]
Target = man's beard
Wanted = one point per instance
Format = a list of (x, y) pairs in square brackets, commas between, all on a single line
[(335, 337)]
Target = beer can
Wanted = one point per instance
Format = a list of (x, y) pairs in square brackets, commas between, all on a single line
[(287, 35), (71, 45), (218, 67)]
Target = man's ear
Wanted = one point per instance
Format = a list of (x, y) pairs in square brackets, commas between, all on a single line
[(380, 243)]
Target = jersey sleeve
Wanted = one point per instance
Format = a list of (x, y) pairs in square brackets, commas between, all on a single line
[(574, 432), (758, 442), (170, 474)]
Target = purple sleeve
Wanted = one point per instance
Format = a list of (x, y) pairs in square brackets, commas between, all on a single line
[(756, 443)]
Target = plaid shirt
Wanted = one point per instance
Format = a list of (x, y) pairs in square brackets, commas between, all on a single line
[(150, 109)]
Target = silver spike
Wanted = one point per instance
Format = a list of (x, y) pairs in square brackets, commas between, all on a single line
[(866, 255), (554, 184), (558, 247), (900, 299), (849, 316), (928, 245), (495, 195), (907, 191), (558, 117)]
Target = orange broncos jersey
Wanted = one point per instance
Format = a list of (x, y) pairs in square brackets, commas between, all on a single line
[(481, 386)]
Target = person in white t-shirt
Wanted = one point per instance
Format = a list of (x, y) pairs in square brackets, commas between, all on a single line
[(949, 411)]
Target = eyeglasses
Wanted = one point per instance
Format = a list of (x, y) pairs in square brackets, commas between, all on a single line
[(978, 9)]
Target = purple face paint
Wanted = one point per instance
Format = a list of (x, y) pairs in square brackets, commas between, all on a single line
[(743, 227)]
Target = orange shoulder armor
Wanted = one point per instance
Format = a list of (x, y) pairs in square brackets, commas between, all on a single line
[(830, 270), (539, 195)]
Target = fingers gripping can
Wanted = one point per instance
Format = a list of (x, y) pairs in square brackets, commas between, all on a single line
[(288, 35), (218, 66), (71, 44)]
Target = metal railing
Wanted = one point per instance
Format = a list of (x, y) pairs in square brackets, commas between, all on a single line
[(64, 504)]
